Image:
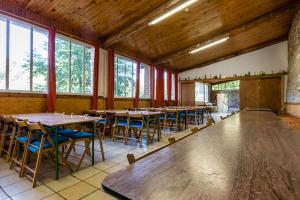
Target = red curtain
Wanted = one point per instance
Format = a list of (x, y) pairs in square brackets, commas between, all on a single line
[(110, 84), (137, 88), (159, 87), (152, 71), (176, 88), (94, 105), (51, 96), (169, 87)]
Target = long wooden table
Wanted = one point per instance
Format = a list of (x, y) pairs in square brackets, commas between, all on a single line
[(57, 120), (251, 155)]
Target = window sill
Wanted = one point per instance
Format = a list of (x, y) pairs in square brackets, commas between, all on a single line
[(15, 93)]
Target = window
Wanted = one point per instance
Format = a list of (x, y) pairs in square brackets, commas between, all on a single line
[(2, 54), (201, 92), (26, 49), (144, 81), (165, 85), (232, 85), (173, 87), (74, 66), (125, 77), (155, 78)]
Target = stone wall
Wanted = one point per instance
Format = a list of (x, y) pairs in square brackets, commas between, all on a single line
[(293, 95)]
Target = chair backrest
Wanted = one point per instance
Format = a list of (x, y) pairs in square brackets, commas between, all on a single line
[(137, 118), (21, 126), (8, 124), (122, 117), (39, 132)]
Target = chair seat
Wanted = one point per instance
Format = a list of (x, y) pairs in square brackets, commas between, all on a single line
[(136, 125), (35, 146), (24, 139), (103, 121), (67, 131), (122, 124), (162, 118), (79, 135), (172, 118)]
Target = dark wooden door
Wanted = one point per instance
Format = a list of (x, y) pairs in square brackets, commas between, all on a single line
[(188, 94)]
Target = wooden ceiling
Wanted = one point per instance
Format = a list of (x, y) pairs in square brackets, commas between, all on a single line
[(122, 24)]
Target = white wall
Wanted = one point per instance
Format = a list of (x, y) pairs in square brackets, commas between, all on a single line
[(269, 59)]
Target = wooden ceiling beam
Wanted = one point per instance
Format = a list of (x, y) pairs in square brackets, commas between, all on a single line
[(244, 51), (231, 32), (17, 12), (129, 29)]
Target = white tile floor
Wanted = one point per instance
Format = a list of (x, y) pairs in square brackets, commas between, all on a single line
[(84, 184)]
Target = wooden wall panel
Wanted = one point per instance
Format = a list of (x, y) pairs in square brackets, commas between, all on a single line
[(249, 93), (21, 104), (121, 104), (144, 103), (261, 93), (188, 94), (76, 105), (293, 109)]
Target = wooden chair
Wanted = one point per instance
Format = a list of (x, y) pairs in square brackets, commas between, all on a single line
[(44, 144), (79, 136), (121, 123), (104, 124), (172, 117), (136, 124), (7, 136), (21, 139)]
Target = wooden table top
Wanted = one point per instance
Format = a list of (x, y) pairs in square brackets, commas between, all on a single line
[(251, 155), (145, 113), (56, 119)]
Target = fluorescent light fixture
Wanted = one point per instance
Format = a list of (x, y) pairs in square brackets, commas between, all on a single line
[(210, 45), (172, 12)]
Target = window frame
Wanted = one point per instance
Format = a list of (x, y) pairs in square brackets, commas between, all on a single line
[(205, 91), (116, 57), (149, 95), (8, 20), (85, 46)]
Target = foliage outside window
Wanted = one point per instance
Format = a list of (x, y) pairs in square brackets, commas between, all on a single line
[(144, 81), (232, 85), (201, 92), (23, 57), (74, 66), (125, 77)]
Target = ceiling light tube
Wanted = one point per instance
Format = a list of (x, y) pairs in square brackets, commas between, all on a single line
[(210, 45), (172, 12)]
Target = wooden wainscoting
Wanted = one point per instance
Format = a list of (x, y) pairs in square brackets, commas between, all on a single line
[(293, 109)]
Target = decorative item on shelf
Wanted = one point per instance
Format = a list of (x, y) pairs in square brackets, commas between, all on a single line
[(234, 75), (215, 77), (205, 77), (220, 76)]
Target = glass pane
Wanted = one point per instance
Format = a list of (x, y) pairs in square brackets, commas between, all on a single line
[(128, 79), (88, 70), (206, 94), (2, 53), (62, 53), (40, 61), (76, 68), (133, 79), (155, 74), (120, 74), (165, 85), (173, 87), (19, 61), (142, 81), (199, 92)]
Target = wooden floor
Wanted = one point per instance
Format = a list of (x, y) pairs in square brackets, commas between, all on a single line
[(251, 155)]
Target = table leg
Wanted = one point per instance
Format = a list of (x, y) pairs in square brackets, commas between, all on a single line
[(93, 143), (56, 154), (147, 129), (185, 119), (179, 121), (158, 131)]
